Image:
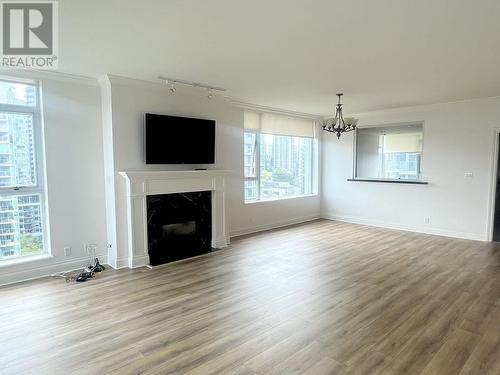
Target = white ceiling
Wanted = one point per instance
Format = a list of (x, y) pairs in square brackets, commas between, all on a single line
[(294, 54)]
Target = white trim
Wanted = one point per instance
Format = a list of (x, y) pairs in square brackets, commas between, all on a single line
[(278, 224), (136, 176), (155, 83), (21, 259), (31, 74), (256, 176), (418, 106), (115, 80), (34, 270), (121, 263), (220, 244), (41, 169), (137, 262), (281, 199), (140, 184), (407, 228), (262, 108), (490, 222), (15, 79)]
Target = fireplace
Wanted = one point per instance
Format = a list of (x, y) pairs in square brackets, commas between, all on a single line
[(179, 226), (207, 185)]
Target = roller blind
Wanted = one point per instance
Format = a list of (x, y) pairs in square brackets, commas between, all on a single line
[(403, 143), (270, 123), (252, 120)]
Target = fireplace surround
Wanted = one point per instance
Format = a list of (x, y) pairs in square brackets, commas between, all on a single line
[(139, 185)]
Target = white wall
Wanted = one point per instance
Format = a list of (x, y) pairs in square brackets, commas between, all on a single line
[(458, 138), (130, 99), (73, 148)]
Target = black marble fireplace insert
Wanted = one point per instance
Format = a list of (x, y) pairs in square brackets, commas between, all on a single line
[(179, 226)]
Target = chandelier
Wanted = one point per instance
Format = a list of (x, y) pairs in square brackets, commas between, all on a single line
[(338, 124)]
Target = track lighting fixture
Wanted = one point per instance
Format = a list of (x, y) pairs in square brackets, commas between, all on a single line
[(172, 82)]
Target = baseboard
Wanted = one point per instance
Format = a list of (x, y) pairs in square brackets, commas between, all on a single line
[(121, 263), (38, 269), (280, 224), (408, 228), (136, 262), (220, 243), (141, 261)]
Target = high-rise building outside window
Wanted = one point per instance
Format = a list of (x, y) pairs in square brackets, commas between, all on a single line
[(22, 196), (279, 157)]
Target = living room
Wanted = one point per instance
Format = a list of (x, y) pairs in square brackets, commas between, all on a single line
[(284, 187)]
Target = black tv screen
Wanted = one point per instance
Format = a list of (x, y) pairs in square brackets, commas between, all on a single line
[(179, 140)]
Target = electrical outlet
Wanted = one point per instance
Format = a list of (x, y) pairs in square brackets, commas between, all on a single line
[(67, 251), (427, 220), (91, 248)]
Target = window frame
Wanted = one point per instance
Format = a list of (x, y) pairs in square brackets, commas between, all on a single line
[(39, 188), (256, 178), (383, 179), (314, 166)]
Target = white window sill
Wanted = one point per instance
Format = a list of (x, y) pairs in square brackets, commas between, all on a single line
[(281, 199), (389, 180), (25, 259)]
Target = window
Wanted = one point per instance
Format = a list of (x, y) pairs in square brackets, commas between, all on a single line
[(278, 157), (389, 152), (22, 207)]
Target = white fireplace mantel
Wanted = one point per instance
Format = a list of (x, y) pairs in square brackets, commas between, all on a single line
[(140, 184)]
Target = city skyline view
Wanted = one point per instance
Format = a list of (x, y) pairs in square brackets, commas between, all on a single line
[(284, 167), (21, 231)]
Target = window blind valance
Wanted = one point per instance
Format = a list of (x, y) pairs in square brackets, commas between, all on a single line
[(270, 123)]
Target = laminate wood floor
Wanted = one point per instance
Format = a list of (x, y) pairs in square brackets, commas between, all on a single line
[(318, 298)]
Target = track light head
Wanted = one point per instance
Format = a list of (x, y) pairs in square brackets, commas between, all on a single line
[(172, 87), (210, 93)]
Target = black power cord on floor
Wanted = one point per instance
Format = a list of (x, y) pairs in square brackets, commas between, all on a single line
[(98, 267), (90, 271), (87, 273)]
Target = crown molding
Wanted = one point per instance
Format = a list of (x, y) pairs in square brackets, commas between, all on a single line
[(112, 79), (122, 80), (419, 107), (262, 108), (50, 74), (116, 80), (195, 91)]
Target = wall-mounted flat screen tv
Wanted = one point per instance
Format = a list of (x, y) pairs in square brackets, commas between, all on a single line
[(179, 140)]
